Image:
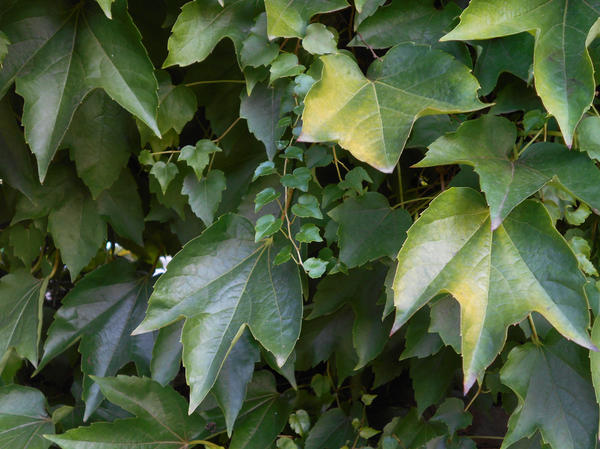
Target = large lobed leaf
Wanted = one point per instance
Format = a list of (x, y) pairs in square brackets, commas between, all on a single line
[(221, 282), (564, 76), (372, 116), (498, 277)]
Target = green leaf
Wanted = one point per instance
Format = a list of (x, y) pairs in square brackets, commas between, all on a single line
[(445, 320), (372, 116), (121, 206), (588, 134), (285, 65), (256, 49), (205, 195), (298, 179), (106, 6), (411, 431), (265, 414), (230, 388), (16, 168), (86, 51), (309, 233), (243, 289), (4, 43), (512, 54), (264, 169), (197, 157), (289, 18), (100, 137), (452, 413), (102, 310), (417, 21), (21, 308), (26, 242), (166, 353), (300, 422), (202, 24), (369, 229), (177, 105), (549, 381), (266, 226), (418, 341), (354, 180), (315, 267), (360, 289), (23, 418), (333, 429), (498, 277), (564, 76), (78, 230), (432, 376), (319, 40), (164, 174), (161, 418), (265, 197), (307, 206), (487, 144), (262, 109)]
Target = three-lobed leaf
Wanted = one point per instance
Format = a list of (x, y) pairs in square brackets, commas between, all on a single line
[(497, 277)]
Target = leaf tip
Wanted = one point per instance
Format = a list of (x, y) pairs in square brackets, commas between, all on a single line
[(470, 380)]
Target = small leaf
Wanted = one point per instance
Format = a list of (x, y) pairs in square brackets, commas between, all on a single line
[(452, 413), (265, 197), (588, 134), (285, 65), (264, 169), (256, 49), (164, 174), (300, 422), (205, 195), (283, 256), (319, 40), (289, 18), (315, 267), (333, 429), (266, 226), (309, 233), (307, 206), (298, 179), (354, 179)]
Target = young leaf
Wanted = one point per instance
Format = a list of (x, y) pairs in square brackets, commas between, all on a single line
[(21, 310), (498, 277), (372, 116), (369, 229), (333, 429), (108, 304), (23, 418), (87, 51), (319, 40), (164, 174), (205, 195), (242, 289), (564, 76), (487, 144), (198, 157), (289, 18), (551, 380), (202, 24), (161, 418)]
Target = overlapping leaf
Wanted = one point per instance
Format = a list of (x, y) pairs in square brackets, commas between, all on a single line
[(80, 50), (289, 18), (102, 310), (221, 282), (555, 395), (372, 116), (564, 76), (23, 418), (488, 144), (161, 419), (498, 277), (21, 299)]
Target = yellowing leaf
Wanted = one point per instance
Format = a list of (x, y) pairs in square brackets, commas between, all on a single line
[(497, 277), (372, 116)]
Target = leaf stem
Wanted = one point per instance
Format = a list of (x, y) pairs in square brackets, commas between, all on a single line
[(235, 122), (197, 83), (530, 142), (55, 266), (534, 335), (474, 397)]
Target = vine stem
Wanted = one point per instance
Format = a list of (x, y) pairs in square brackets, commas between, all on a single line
[(474, 397), (414, 200), (235, 122), (530, 142), (55, 266)]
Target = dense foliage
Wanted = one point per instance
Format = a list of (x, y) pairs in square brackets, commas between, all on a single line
[(302, 224)]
